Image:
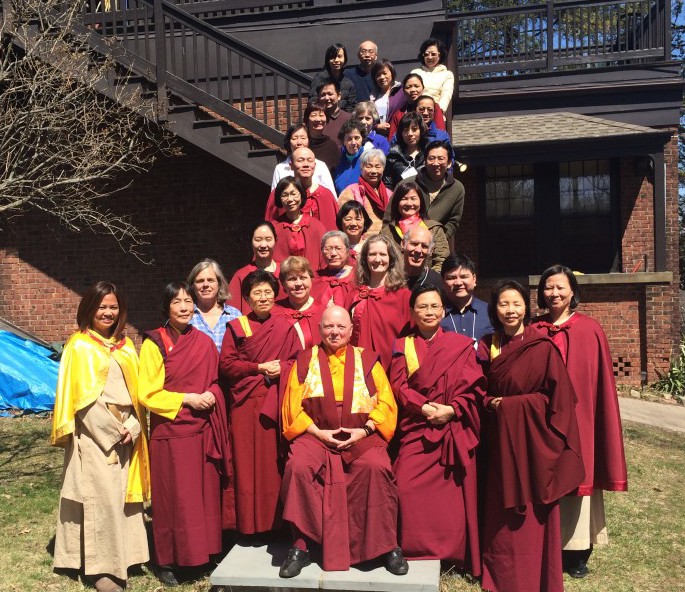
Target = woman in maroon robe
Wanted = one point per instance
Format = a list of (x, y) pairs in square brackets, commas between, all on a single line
[(534, 455), (332, 282), (585, 350), (254, 347), (439, 387), (189, 449), (296, 233), (379, 305), (299, 307), (354, 222), (263, 244)]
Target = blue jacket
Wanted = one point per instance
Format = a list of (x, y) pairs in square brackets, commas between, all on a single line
[(347, 171)]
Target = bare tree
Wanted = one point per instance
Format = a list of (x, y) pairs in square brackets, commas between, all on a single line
[(65, 146)]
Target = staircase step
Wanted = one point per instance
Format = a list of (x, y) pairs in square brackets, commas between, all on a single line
[(182, 108), (133, 79), (207, 123), (263, 152), (228, 138)]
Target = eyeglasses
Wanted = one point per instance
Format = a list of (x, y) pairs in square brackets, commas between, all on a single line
[(265, 294), (290, 194), (438, 159), (430, 54), (424, 308), (367, 51), (328, 250)]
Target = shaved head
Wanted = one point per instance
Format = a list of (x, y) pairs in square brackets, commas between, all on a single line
[(335, 328)]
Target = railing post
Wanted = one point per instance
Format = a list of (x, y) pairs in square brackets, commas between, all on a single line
[(550, 35), (160, 61), (667, 30)]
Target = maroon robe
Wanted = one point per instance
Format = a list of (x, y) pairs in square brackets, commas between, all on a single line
[(436, 464), (235, 286), (188, 454), (254, 438), (303, 239), (585, 350), (321, 205), (326, 286), (378, 318), (344, 501), (307, 321), (534, 459)]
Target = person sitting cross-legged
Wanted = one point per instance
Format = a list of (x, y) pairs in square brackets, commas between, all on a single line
[(339, 414)]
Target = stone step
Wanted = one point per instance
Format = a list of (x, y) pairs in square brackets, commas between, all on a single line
[(255, 568)]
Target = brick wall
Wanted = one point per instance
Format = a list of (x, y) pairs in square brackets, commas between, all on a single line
[(193, 206)]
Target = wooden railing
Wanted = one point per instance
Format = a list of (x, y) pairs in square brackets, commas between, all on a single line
[(558, 35), (202, 64)]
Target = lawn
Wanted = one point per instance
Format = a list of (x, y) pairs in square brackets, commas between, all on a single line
[(646, 525)]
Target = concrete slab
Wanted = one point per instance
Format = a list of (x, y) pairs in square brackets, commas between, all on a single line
[(669, 417), (253, 568)]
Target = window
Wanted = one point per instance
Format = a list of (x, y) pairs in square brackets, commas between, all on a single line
[(509, 192), (535, 215), (585, 187)]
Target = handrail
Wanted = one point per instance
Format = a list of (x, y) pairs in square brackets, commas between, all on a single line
[(560, 34), (203, 64)]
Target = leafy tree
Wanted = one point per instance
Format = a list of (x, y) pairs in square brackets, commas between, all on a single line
[(65, 146)]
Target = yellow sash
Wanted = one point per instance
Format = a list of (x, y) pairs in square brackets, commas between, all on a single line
[(362, 401), (495, 346), (82, 376), (245, 324), (399, 230), (410, 355)]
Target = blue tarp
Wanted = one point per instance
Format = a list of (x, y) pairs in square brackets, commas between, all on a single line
[(28, 377)]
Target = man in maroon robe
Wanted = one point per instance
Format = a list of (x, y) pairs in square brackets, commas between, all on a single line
[(339, 413), (321, 204), (436, 462)]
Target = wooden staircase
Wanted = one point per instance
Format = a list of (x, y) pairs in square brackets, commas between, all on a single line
[(202, 84)]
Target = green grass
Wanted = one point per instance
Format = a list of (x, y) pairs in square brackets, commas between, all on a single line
[(646, 525)]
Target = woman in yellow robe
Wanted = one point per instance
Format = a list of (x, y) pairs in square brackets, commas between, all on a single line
[(98, 422)]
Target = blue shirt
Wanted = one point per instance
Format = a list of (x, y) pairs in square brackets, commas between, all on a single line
[(363, 83), (473, 322), (217, 333)]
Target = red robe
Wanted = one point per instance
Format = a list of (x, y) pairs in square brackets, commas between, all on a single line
[(254, 438), (436, 465), (534, 459), (305, 322), (303, 239), (327, 286), (378, 318), (321, 205), (345, 501), (585, 350), (235, 286), (188, 454)]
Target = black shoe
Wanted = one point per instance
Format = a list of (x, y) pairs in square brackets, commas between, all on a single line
[(578, 571), (395, 563), (167, 577), (296, 561)]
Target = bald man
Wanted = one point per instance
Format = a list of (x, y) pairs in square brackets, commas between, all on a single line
[(418, 245), (339, 414), (361, 74), (321, 202)]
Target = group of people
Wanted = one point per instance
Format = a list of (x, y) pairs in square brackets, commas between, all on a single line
[(345, 388), (367, 419)]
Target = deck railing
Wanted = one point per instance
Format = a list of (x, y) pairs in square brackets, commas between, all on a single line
[(203, 64), (558, 35)]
